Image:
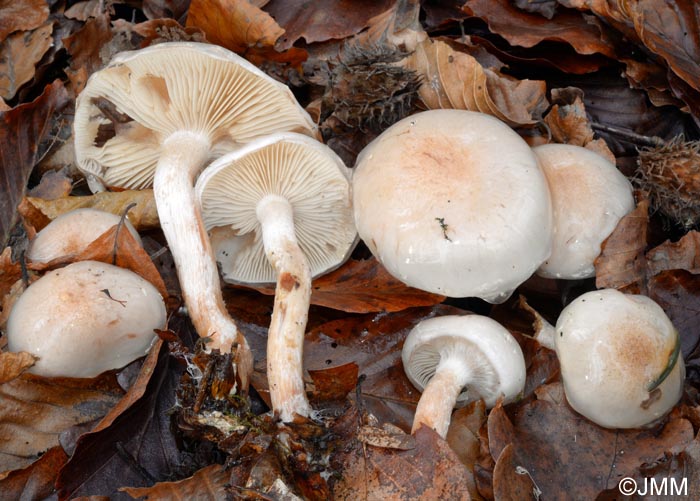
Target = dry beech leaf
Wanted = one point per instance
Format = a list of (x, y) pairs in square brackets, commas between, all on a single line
[(157, 9), (24, 128), (21, 15), (84, 47), (429, 471), (36, 480), (334, 383), (681, 255), (512, 482), (621, 264), (527, 30), (363, 286), (53, 184), (10, 272), (323, 20), (235, 24), (560, 448), (387, 439), (143, 215), (678, 293), (209, 483), (453, 79), (14, 364), (35, 410), (463, 437), (19, 54)]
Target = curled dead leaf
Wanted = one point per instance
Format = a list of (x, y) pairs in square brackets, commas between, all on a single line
[(143, 215), (454, 79), (209, 483), (19, 54)]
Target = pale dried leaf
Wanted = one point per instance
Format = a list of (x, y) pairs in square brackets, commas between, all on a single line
[(14, 364), (21, 15), (455, 80), (379, 437), (143, 216), (19, 54)]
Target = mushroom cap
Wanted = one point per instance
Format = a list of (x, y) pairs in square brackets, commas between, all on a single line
[(611, 348), (73, 232), (84, 319), (141, 97), (589, 197), (453, 202), (307, 174), (489, 352)]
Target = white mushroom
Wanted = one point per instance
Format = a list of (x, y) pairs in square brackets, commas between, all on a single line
[(84, 319), (589, 197), (157, 115), (282, 205), (73, 232), (457, 359), (453, 202), (620, 358)]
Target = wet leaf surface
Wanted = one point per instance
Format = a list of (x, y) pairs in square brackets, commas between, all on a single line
[(560, 448)]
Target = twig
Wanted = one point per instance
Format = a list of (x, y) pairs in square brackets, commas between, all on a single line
[(628, 135)]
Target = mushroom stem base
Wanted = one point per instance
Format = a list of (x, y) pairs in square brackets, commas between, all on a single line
[(184, 155), (439, 397), (285, 341)]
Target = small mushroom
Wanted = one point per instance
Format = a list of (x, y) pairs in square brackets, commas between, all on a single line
[(453, 202), (589, 197), (620, 358), (157, 116), (283, 212), (457, 359), (73, 232), (84, 319)]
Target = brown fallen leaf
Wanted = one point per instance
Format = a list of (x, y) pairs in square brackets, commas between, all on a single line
[(21, 15), (36, 480), (24, 128), (85, 47), (681, 255), (157, 9), (396, 439), (463, 437), (143, 215), (334, 383), (323, 20), (512, 482), (237, 25), (35, 410), (19, 54), (678, 293), (561, 449), (429, 471), (621, 263), (53, 184), (454, 79), (14, 364), (363, 286), (209, 483), (526, 30)]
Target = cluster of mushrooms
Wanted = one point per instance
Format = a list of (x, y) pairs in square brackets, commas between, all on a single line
[(451, 202)]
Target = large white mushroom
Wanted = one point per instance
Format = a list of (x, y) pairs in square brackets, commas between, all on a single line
[(620, 358), (453, 202), (589, 197), (280, 210), (157, 116), (84, 319)]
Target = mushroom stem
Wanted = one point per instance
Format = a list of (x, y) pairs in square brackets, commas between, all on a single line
[(183, 156), (285, 339), (440, 396)]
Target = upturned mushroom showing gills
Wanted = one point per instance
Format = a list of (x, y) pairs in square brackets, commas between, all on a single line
[(279, 209), (453, 202), (73, 232), (620, 358), (589, 197), (84, 319), (457, 359), (156, 116)]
